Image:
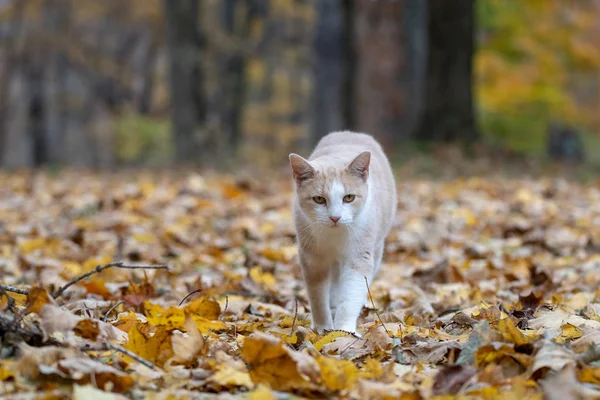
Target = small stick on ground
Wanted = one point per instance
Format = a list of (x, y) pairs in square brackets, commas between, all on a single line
[(226, 306), (375, 308), (294, 321), (131, 354), (100, 268), (186, 297), (119, 349), (111, 310), (14, 289)]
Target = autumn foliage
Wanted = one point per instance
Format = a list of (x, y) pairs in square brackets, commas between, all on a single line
[(489, 290)]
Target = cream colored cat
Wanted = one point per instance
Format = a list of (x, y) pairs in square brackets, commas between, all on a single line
[(345, 205)]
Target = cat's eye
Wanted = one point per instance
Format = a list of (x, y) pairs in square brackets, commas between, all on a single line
[(349, 198), (319, 199)]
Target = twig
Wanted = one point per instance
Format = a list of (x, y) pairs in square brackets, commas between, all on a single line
[(111, 310), (9, 324), (375, 308), (295, 316), (117, 348), (131, 354), (14, 289), (100, 268), (191, 293), (226, 306)]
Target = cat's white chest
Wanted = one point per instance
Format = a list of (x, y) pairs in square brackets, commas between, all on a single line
[(334, 246)]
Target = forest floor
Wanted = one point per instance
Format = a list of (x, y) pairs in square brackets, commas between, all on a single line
[(489, 289)]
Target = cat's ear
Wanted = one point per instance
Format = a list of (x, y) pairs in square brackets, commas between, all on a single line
[(360, 165), (301, 168)]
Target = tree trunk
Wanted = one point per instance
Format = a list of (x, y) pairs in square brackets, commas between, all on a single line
[(448, 113), (186, 79), (233, 65), (329, 69)]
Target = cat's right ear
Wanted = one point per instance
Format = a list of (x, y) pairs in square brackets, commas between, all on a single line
[(301, 168)]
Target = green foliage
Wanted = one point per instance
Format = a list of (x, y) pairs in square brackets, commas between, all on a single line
[(142, 139), (532, 55)]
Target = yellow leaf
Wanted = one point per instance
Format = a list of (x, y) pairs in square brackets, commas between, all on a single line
[(265, 279), (330, 337), (272, 364), (510, 333), (156, 348), (6, 370), (27, 246), (491, 353), (372, 369), (261, 393), (205, 312), (37, 298), (229, 377), (337, 374), (589, 375), (570, 332), (92, 263)]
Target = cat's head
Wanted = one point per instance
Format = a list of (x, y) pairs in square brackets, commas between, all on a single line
[(330, 196)]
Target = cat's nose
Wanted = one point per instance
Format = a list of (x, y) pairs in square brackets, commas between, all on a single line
[(334, 219)]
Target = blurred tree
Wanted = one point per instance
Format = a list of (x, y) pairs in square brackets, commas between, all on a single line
[(448, 112), (334, 64), (186, 47), (530, 75)]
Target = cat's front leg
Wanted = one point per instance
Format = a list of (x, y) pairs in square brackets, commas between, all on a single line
[(352, 294), (318, 284)]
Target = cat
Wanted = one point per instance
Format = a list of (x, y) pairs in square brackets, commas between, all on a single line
[(344, 207)]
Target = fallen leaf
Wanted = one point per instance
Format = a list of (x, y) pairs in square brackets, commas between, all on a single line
[(272, 364)]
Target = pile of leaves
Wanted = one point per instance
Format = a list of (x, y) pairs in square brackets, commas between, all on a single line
[(180, 285)]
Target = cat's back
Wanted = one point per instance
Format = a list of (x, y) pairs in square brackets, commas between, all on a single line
[(340, 144)]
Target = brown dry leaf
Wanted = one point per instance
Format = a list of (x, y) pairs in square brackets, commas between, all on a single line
[(87, 329), (451, 378), (553, 357), (272, 364), (494, 275), (89, 392), (187, 348)]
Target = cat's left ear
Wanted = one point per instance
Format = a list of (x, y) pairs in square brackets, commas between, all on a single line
[(360, 165)]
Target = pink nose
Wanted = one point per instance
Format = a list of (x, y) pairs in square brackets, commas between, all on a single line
[(334, 219)]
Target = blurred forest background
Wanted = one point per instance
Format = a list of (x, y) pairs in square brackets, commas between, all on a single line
[(152, 82)]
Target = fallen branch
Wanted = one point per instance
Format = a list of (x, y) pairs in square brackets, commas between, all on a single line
[(14, 289), (100, 268), (375, 308)]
